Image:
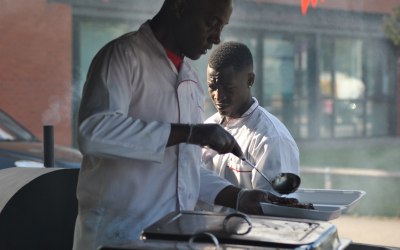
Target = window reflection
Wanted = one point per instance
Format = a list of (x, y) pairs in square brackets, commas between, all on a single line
[(349, 82)]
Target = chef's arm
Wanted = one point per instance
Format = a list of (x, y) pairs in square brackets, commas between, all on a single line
[(211, 135)]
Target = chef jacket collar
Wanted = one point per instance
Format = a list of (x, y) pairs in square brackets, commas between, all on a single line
[(233, 122)]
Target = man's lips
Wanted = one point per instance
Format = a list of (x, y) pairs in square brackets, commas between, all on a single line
[(221, 105), (205, 49)]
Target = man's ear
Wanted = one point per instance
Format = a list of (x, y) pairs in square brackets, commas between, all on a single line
[(251, 77), (179, 7)]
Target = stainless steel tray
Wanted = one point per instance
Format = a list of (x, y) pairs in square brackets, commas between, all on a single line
[(346, 200), (329, 204), (324, 213), (261, 231), (183, 245)]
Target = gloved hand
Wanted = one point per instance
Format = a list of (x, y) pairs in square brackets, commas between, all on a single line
[(213, 136), (248, 201)]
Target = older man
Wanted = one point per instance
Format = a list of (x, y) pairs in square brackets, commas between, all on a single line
[(140, 128)]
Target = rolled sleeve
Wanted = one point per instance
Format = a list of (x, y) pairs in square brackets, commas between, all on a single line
[(115, 135), (210, 185)]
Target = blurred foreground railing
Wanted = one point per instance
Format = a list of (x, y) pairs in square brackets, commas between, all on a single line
[(329, 171)]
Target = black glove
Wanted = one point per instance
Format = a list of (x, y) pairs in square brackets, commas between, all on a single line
[(248, 201), (213, 136)]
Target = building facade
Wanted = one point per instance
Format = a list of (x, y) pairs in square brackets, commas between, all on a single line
[(329, 74)]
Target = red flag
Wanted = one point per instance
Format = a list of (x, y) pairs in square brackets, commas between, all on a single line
[(314, 3), (304, 6), (306, 3)]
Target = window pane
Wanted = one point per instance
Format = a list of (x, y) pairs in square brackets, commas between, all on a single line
[(348, 69), (300, 120), (278, 75), (377, 118), (326, 89), (342, 89), (278, 68), (93, 36), (348, 118)]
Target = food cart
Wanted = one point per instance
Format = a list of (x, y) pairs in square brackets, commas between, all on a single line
[(281, 227)]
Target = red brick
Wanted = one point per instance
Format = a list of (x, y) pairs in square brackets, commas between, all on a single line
[(35, 64)]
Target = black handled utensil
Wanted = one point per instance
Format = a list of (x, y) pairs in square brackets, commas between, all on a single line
[(285, 183)]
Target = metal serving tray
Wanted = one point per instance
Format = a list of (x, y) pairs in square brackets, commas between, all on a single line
[(181, 245), (188, 245), (324, 213), (346, 200), (329, 204), (265, 231)]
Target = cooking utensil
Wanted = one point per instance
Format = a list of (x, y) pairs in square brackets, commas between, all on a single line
[(285, 183)]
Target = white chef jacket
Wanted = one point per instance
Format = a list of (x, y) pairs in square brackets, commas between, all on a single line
[(129, 178), (264, 140)]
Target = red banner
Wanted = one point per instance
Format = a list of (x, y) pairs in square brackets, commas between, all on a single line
[(306, 3)]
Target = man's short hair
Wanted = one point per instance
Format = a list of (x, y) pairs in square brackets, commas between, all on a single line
[(233, 54)]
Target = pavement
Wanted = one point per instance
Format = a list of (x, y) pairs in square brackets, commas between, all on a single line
[(384, 231)]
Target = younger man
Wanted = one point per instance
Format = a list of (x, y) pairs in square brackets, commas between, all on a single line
[(264, 140)]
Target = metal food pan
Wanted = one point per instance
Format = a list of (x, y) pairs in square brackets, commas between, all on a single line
[(264, 231), (346, 200)]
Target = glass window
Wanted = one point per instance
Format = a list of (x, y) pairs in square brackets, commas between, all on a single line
[(342, 89), (278, 68), (93, 35), (377, 122), (348, 120), (278, 74)]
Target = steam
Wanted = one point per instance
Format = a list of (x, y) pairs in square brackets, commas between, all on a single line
[(56, 111), (59, 108)]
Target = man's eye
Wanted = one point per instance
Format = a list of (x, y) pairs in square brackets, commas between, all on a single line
[(212, 87), (212, 23)]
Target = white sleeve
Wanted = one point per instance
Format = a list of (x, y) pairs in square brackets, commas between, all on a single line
[(105, 128), (274, 156), (210, 185), (116, 135)]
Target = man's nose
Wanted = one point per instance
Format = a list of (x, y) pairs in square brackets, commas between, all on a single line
[(219, 95), (216, 36)]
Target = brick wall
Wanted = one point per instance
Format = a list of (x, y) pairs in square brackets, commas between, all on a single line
[(35, 65)]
